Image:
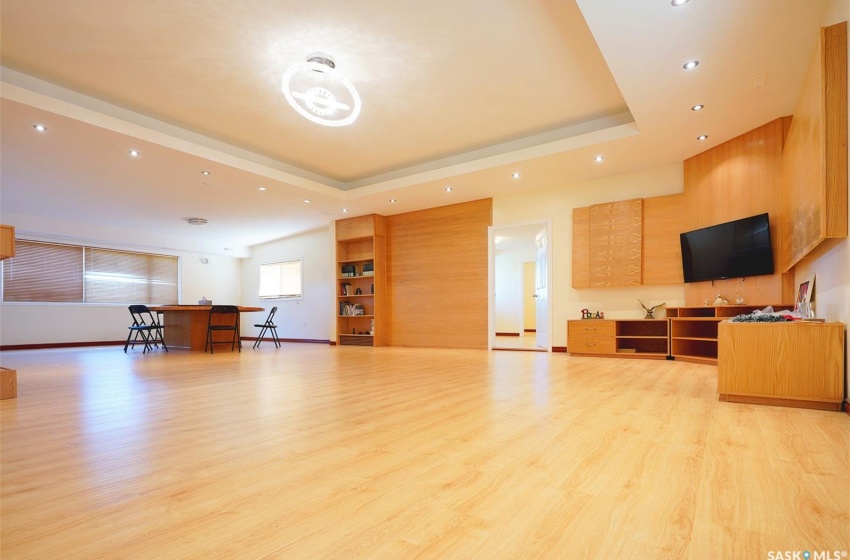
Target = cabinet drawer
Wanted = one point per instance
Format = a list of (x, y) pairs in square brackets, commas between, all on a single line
[(591, 327), (590, 344)]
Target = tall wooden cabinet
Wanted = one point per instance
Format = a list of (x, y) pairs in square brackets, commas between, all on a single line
[(8, 377), (361, 300)]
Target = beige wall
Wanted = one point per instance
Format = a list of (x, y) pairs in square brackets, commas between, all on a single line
[(557, 204)]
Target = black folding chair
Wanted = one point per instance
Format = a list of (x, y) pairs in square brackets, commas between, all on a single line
[(223, 318), (270, 327), (144, 327)]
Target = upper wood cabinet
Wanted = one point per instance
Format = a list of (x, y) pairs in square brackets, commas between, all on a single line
[(814, 161), (616, 243), (7, 242), (628, 243)]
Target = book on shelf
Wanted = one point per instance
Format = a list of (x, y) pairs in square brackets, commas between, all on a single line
[(344, 288)]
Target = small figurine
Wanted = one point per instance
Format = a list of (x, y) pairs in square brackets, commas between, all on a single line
[(649, 310), (720, 300)]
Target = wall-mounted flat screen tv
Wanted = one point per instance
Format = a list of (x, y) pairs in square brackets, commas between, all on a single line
[(732, 250)]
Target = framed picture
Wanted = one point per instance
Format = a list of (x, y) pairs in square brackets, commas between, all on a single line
[(805, 290)]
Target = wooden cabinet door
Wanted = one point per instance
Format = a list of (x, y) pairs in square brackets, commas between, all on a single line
[(616, 243)]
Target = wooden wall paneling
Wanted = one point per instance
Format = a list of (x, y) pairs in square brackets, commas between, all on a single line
[(814, 163), (581, 247), (437, 276), (663, 221), (615, 243), (733, 180)]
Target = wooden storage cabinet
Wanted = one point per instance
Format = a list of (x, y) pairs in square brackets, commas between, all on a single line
[(796, 364), (693, 330), (590, 336), (629, 338), (361, 266), (7, 242)]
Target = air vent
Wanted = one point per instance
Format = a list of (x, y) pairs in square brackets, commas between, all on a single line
[(196, 221)]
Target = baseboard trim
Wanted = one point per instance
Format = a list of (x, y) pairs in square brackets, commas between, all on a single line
[(559, 349), (49, 346), (847, 407), (507, 334), (61, 345)]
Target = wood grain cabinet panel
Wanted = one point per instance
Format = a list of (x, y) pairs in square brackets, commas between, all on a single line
[(616, 245), (7, 242), (798, 364), (814, 161), (581, 247), (663, 221)]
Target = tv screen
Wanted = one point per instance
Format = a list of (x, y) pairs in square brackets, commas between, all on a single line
[(732, 250)]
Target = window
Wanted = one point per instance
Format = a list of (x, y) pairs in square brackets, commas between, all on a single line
[(280, 280), (48, 272)]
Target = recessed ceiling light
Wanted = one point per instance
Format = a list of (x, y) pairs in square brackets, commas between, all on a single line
[(515, 175), (205, 172), (40, 127), (345, 210), (307, 201), (690, 65), (679, 2), (261, 188), (598, 159), (134, 153), (697, 107), (197, 221), (393, 200), (448, 189), (702, 137)]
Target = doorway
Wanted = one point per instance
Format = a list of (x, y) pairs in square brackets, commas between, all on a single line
[(520, 306)]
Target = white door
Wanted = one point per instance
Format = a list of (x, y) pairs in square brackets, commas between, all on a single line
[(541, 290)]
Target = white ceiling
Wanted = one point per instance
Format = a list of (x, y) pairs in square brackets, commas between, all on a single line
[(454, 93)]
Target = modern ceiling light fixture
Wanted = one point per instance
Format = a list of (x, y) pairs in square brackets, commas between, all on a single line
[(40, 127), (134, 153), (197, 221), (205, 172), (702, 137), (448, 189), (515, 175), (679, 2), (690, 65), (599, 159), (319, 93), (698, 107)]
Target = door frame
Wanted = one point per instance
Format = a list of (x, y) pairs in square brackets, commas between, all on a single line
[(491, 276)]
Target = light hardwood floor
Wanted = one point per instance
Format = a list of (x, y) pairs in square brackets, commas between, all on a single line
[(312, 452)]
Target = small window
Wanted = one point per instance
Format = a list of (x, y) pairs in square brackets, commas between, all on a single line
[(280, 280)]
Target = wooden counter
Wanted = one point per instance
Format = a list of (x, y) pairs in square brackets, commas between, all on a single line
[(186, 325), (789, 364)]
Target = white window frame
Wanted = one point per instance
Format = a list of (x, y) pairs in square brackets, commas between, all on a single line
[(281, 271)]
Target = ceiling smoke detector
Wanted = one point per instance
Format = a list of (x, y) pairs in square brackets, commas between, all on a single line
[(197, 221)]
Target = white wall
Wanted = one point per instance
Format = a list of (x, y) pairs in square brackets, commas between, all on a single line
[(508, 280), (557, 204), (309, 318), (50, 323)]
